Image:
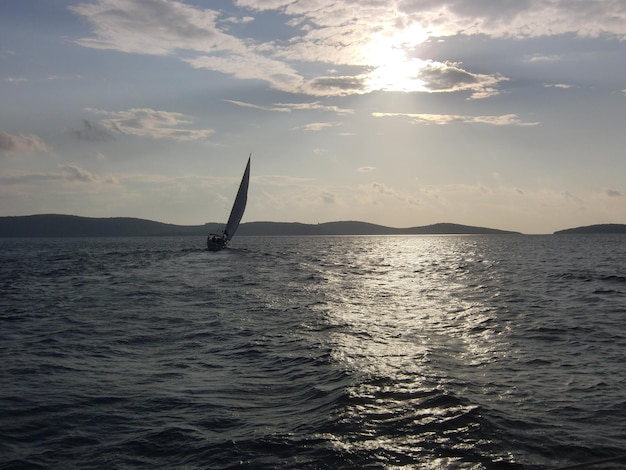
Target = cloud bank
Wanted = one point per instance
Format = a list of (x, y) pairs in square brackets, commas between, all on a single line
[(367, 45)]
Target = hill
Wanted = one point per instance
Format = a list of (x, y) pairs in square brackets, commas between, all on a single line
[(55, 225), (601, 228)]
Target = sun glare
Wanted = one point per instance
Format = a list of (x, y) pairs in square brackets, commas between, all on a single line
[(392, 68)]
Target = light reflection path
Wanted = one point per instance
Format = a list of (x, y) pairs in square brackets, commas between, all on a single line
[(405, 322)]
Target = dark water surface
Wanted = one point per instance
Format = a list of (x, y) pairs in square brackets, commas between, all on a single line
[(420, 352)]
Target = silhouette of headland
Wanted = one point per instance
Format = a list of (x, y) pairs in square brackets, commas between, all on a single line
[(589, 229), (56, 225)]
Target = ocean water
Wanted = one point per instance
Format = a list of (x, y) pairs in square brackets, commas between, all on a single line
[(426, 352)]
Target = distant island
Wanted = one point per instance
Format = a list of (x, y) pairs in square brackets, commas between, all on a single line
[(600, 228), (56, 225)]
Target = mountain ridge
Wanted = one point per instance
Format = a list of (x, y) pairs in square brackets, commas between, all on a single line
[(60, 225), (590, 229)]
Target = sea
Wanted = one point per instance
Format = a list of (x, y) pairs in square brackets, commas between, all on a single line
[(343, 352)]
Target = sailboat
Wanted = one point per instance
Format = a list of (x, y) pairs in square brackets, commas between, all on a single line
[(217, 242)]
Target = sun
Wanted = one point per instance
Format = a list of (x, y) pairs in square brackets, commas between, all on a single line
[(391, 67)]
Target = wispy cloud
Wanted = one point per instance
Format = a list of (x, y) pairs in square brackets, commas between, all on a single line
[(75, 173), (318, 126), (366, 169), (564, 86), (153, 27), (542, 58), (49, 78), (289, 107), (281, 180), (316, 106), (16, 79), (329, 198), (91, 131), (336, 85), (249, 65), (70, 173), (21, 144), (148, 122), (238, 20), (242, 104), (443, 119), (13, 178), (383, 189)]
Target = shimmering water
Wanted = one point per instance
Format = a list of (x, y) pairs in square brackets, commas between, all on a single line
[(313, 352)]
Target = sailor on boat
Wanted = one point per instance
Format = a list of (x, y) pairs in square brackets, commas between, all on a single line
[(215, 242)]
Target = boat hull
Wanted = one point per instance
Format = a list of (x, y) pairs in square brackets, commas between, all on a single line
[(214, 243), (215, 248)]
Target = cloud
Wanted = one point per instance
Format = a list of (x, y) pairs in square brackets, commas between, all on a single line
[(16, 79), (91, 132), (366, 169), (75, 173), (154, 27), (289, 107), (571, 197), (522, 19), (614, 193), (563, 86), (69, 172), (369, 45), (279, 109), (48, 78), (280, 180), (26, 178), (440, 77), (443, 119), (280, 75), (316, 106), (148, 122), (318, 126), (237, 20), (4, 54), (542, 58), (381, 188), (337, 86), (525, 18), (328, 198), (21, 144)]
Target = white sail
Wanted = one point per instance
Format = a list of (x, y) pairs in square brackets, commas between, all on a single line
[(239, 206)]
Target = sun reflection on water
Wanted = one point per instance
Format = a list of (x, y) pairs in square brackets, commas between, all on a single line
[(405, 321), (396, 304)]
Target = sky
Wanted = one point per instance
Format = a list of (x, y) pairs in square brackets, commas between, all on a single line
[(505, 114)]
